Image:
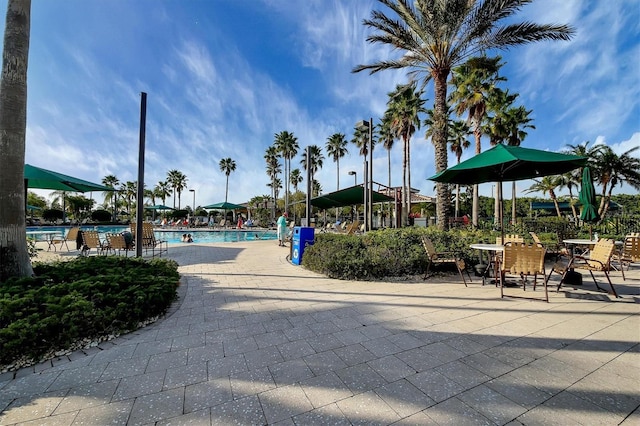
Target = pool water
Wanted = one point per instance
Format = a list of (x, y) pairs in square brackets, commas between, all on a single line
[(175, 236)]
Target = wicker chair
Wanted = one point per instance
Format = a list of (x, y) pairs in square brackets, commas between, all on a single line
[(630, 252), (523, 260), (599, 260), (91, 240), (510, 238), (117, 242), (435, 258)]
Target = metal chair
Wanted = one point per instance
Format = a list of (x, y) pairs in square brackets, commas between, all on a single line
[(523, 260), (436, 258)]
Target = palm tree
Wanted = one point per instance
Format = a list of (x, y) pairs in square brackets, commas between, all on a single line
[(473, 82), (437, 36), (548, 185), (612, 169), (459, 132), (404, 107), (287, 145), (314, 162), (130, 193), (575, 176), (295, 178), (178, 182), (13, 122), (273, 169), (336, 149), (163, 190), (227, 165), (386, 137), (111, 196)]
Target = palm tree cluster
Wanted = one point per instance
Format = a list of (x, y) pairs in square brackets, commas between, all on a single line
[(434, 37), (608, 170)]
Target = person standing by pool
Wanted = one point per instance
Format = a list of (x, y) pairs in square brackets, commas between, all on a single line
[(282, 228)]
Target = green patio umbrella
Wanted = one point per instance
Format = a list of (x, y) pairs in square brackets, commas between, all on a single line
[(504, 163), (224, 206), (587, 197), (158, 207), (347, 197), (37, 177)]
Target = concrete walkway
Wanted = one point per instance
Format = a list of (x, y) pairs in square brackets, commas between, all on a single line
[(254, 340)]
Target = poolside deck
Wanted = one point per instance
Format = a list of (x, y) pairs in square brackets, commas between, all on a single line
[(256, 340)]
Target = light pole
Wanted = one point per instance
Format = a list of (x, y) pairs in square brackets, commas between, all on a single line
[(355, 177), (368, 176), (194, 200)]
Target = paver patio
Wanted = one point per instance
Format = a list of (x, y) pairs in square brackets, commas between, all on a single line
[(255, 340)]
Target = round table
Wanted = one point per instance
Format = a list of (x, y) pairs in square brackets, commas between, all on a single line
[(48, 237), (492, 249)]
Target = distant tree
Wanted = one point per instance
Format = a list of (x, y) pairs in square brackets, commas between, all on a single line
[(111, 197), (178, 182), (227, 165), (162, 190), (287, 145), (612, 170), (336, 147), (548, 185)]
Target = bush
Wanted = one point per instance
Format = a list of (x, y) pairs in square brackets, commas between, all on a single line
[(52, 215), (86, 298), (101, 216), (388, 252)]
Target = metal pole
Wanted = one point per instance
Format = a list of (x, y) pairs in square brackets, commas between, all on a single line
[(139, 206), (370, 187), (309, 187), (365, 185)]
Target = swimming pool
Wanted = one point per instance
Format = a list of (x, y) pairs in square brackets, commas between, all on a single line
[(174, 236)]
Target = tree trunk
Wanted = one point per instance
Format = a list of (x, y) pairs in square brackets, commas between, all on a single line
[(14, 256), (513, 202), (404, 214), (443, 201), (408, 177)]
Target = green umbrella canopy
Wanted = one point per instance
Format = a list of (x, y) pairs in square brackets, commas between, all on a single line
[(158, 207), (587, 197), (225, 206), (37, 177), (347, 197), (504, 163)]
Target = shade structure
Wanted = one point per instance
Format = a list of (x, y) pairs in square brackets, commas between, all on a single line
[(587, 197), (224, 206), (37, 177), (158, 207), (566, 206), (504, 163), (30, 207), (347, 197)]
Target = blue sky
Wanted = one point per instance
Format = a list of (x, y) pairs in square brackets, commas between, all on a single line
[(224, 76)]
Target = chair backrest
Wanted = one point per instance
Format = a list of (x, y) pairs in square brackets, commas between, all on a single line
[(520, 258), (535, 238), (510, 238), (631, 249), (116, 241), (72, 235), (601, 252), (91, 239), (428, 247)]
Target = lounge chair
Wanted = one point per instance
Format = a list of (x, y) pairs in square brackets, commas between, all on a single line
[(91, 240), (523, 260), (72, 235), (630, 252), (439, 258), (117, 242)]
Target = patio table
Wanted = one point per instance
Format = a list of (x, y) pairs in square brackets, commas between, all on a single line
[(47, 236), (494, 259)]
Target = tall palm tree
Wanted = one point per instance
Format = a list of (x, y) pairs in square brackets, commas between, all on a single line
[(314, 162), (436, 36), (227, 165), (404, 107), (473, 83), (13, 122), (459, 132), (111, 196), (336, 147), (548, 185), (612, 169), (287, 145), (295, 178), (386, 137), (178, 182), (130, 193), (273, 169)]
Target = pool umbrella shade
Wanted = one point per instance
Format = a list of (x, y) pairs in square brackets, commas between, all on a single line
[(587, 197), (347, 197), (224, 206), (504, 163), (37, 177), (158, 207)]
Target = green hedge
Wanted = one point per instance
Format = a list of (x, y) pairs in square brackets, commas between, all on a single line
[(388, 252), (88, 297)]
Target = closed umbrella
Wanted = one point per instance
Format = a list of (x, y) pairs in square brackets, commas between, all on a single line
[(587, 197)]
